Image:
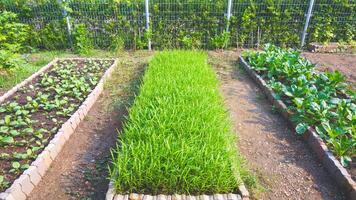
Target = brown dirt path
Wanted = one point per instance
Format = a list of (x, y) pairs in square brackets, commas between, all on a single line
[(285, 165), (80, 171)]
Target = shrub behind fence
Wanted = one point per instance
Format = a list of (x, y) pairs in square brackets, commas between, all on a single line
[(187, 23)]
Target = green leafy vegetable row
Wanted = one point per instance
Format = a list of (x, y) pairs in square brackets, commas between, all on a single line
[(321, 100), (178, 137), (30, 118)]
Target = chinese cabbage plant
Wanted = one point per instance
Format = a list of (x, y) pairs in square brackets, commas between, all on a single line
[(321, 100)]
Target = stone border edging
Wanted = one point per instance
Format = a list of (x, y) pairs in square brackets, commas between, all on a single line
[(111, 195), (30, 178), (333, 166)]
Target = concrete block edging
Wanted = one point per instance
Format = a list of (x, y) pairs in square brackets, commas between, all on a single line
[(111, 195), (30, 178), (330, 163)]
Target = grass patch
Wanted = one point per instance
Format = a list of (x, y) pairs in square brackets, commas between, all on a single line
[(124, 84), (10, 79), (178, 137)]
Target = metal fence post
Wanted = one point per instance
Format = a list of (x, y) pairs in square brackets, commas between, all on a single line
[(148, 22), (228, 14), (307, 20), (69, 26)]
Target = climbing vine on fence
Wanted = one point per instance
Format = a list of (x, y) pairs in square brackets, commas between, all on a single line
[(119, 24)]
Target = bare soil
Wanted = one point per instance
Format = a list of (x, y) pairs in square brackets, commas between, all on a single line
[(332, 47), (80, 171), (345, 63), (286, 167)]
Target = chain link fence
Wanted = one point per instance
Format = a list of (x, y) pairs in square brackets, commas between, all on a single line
[(188, 23)]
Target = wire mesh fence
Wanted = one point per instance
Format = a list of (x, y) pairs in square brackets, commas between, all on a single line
[(190, 24), (187, 23), (110, 23), (278, 22)]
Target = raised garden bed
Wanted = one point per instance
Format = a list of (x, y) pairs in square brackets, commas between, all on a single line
[(39, 115), (178, 138), (291, 104)]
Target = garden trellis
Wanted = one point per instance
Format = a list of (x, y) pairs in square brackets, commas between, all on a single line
[(189, 23)]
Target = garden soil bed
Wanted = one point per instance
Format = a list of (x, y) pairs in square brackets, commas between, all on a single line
[(332, 47), (80, 172), (285, 165), (33, 112), (345, 63)]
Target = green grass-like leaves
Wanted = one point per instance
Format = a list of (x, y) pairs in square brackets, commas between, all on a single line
[(178, 137)]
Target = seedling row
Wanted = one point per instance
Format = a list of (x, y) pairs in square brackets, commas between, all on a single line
[(31, 116), (322, 101), (178, 138)]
